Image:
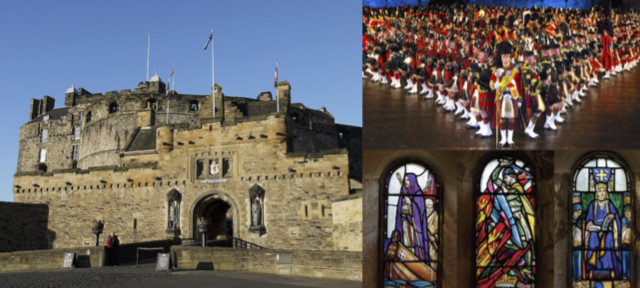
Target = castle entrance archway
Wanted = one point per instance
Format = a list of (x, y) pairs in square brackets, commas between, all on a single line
[(219, 213)]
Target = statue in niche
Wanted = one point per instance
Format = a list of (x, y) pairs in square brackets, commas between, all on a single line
[(256, 212), (173, 214), (256, 200)]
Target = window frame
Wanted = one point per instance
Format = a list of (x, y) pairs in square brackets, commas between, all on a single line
[(382, 222), (478, 192), (577, 167)]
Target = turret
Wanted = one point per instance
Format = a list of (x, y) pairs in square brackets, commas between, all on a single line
[(41, 106), (164, 139), (284, 96)]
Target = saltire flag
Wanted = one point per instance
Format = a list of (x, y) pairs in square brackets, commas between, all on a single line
[(208, 41), (275, 80)]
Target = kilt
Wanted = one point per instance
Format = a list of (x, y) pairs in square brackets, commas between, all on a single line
[(551, 96), (536, 104), (487, 103), (475, 102)]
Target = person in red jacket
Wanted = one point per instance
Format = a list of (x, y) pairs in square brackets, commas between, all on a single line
[(112, 248)]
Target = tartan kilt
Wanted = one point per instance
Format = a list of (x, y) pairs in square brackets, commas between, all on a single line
[(552, 97), (536, 104), (474, 103), (487, 103)]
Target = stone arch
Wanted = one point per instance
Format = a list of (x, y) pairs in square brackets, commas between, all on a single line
[(206, 199)]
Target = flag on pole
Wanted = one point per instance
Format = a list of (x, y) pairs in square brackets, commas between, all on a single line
[(208, 41), (173, 77), (168, 87), (275, 81)]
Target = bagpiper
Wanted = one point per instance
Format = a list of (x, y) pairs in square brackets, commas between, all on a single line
[(531, 82), (506, 85)]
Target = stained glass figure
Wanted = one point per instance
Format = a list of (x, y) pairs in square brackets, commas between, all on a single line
[(505, 225), (411, 227), (601, 224)]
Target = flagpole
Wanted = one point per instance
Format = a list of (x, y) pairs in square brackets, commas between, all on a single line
[(168, 103), (213, 76), (148, 53), (276, 85)]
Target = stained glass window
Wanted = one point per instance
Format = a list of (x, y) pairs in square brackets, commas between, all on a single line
[(601, 224), (505, 225), (411, 225)]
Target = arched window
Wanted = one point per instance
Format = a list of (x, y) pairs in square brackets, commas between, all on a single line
[(88, 118), (193, 105), (411, 225), (601, 218), (505, 225)]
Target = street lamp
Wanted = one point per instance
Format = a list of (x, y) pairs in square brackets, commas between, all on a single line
[(97, 227)]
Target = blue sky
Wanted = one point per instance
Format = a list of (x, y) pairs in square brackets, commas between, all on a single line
[(102, 46)]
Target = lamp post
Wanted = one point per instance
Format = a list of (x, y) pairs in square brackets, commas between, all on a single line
[(98, 226), (203, 227)]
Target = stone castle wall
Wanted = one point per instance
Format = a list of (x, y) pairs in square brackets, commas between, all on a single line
[(320, 264), (299, 191), (347, 223), (23, 226), (126, 175)]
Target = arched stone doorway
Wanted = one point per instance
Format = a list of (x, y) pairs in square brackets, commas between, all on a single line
[(219, 212)]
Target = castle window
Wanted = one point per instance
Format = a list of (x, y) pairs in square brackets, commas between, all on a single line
[(226, 167), (505, 224), (44, 136), (113, 108), (64, 119), (602, 223), (43, 156), (411, 225), (45, 119), (76, 133), (151, 103), (88, 119), (81, 115), (74, 153), (199, 168), (193, 105)]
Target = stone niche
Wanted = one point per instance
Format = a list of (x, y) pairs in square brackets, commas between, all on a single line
[(256, 198)]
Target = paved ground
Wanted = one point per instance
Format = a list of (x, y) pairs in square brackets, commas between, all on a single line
[(146, 276)]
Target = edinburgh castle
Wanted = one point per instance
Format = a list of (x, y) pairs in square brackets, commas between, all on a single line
[(153, 163)]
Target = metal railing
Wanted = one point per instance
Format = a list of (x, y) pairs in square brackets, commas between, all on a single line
[(239, 243)]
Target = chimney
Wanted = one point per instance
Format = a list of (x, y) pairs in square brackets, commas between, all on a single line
[(284, 96)]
